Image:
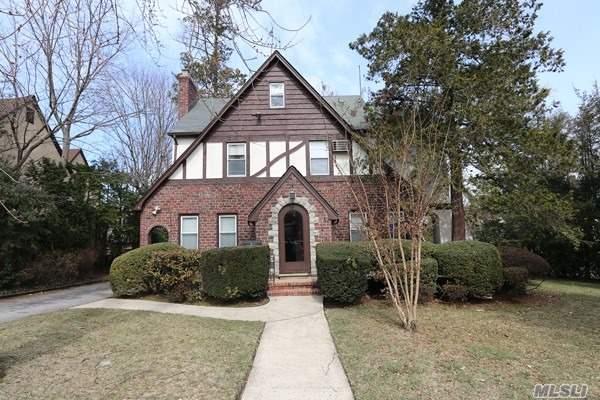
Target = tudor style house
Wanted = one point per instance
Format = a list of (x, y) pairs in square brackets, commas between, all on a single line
[(265, 166)]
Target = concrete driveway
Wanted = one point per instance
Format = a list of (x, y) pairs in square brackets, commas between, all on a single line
[(22, 306)]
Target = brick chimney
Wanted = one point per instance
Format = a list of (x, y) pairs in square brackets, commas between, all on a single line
[(187, 95)]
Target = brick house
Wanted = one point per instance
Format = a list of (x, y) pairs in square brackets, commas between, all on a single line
[(265, 166)]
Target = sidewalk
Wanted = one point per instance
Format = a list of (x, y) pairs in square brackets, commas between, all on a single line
[(296, 357)]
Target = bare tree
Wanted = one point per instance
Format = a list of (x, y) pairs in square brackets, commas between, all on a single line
[(140, 102), (63, 52), (396, 184)]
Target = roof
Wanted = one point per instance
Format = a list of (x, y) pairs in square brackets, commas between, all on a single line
[(292, 171), (8, 106), (201, 133), (350, 108), (73, 153)]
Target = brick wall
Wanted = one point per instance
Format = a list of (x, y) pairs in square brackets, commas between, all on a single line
[(209, 198)]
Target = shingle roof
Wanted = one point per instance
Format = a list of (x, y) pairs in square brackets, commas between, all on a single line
[(350, 108)]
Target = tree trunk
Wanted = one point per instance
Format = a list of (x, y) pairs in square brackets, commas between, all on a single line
[(456, 200)]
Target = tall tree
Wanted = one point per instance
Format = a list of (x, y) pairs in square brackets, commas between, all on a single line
[(481, 59), (140, 103), (62, 51), (215, 30)]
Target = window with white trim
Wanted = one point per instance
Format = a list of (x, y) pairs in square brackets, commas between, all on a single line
[(357, 227), (189, 232), (227, 230), (319, 157), (277, 95), (236, 159)]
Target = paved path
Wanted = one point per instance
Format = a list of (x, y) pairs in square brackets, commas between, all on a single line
[(12, 308), (296, 357)]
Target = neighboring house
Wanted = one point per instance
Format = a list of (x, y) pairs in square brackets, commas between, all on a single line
[(23, 127), (265, 166)]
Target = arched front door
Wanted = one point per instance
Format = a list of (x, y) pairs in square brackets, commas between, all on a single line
[(294, 242)]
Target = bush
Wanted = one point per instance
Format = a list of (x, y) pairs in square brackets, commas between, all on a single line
[(474, 265), (235, 272), (176, 274), (515, 280), (57, 268), (346, 269), (454, 292), (129, 273), (535, 265), (343, 270)]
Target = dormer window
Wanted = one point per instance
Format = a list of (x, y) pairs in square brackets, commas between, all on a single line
[(277, 95)]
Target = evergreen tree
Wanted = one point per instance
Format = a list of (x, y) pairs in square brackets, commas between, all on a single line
[(481, 59)]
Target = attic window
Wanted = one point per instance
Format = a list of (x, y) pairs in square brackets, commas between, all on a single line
[(277, 95), (29, 115)]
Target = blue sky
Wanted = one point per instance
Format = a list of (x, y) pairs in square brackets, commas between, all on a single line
[(322, 54)]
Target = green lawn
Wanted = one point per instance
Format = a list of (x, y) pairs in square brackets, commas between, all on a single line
[(497, 350), (114, 354)]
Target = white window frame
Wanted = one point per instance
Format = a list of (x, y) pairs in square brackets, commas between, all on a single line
[(271, 94), (310, 157), (364, 221), (245, 159), (235, 232), (182, 233)]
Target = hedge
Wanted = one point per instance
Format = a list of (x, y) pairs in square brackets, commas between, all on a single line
[(476, 266), (233, 273), (129, 272), (345, 268), (515, 280), (175, 273), (518, 257)]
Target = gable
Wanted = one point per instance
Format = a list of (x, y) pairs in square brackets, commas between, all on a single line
[(247, 116)]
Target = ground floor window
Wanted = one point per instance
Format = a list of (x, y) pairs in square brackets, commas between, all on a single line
[(357, 227), (227, 230), (189, 232)]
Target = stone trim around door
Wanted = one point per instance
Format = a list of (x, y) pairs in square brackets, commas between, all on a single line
[(273, 233)]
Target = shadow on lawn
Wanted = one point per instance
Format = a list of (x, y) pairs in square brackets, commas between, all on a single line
[(54, 333)]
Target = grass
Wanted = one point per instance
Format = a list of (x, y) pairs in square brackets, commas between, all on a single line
[(115, 354), (495, 350)]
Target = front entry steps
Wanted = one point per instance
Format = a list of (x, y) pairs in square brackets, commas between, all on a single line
[(293, 286)]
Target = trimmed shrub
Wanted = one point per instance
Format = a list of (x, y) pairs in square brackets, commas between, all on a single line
[(515, 280), (343, 270), (347, 269), (474, 265), (176, 274), (454, 292), (233, 273), (129, 272), (536, 265)]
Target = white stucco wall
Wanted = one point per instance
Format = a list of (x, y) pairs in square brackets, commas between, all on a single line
[(359, 159), (444, 224), (298, 158), (182, 145), (258, 157), (194, 163), (277, 148), (341, 164), (214, 160)]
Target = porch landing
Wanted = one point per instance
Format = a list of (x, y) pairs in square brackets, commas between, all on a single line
[(306, 285)]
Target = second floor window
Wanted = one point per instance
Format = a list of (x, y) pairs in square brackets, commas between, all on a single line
[(319, 157), (29, 115), (236, 159), (277, 95)]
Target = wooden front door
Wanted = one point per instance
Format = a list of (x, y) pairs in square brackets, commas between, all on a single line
[(294, 242)]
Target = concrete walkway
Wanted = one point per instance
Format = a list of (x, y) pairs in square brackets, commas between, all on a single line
[(296, 358), (17, 307)]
